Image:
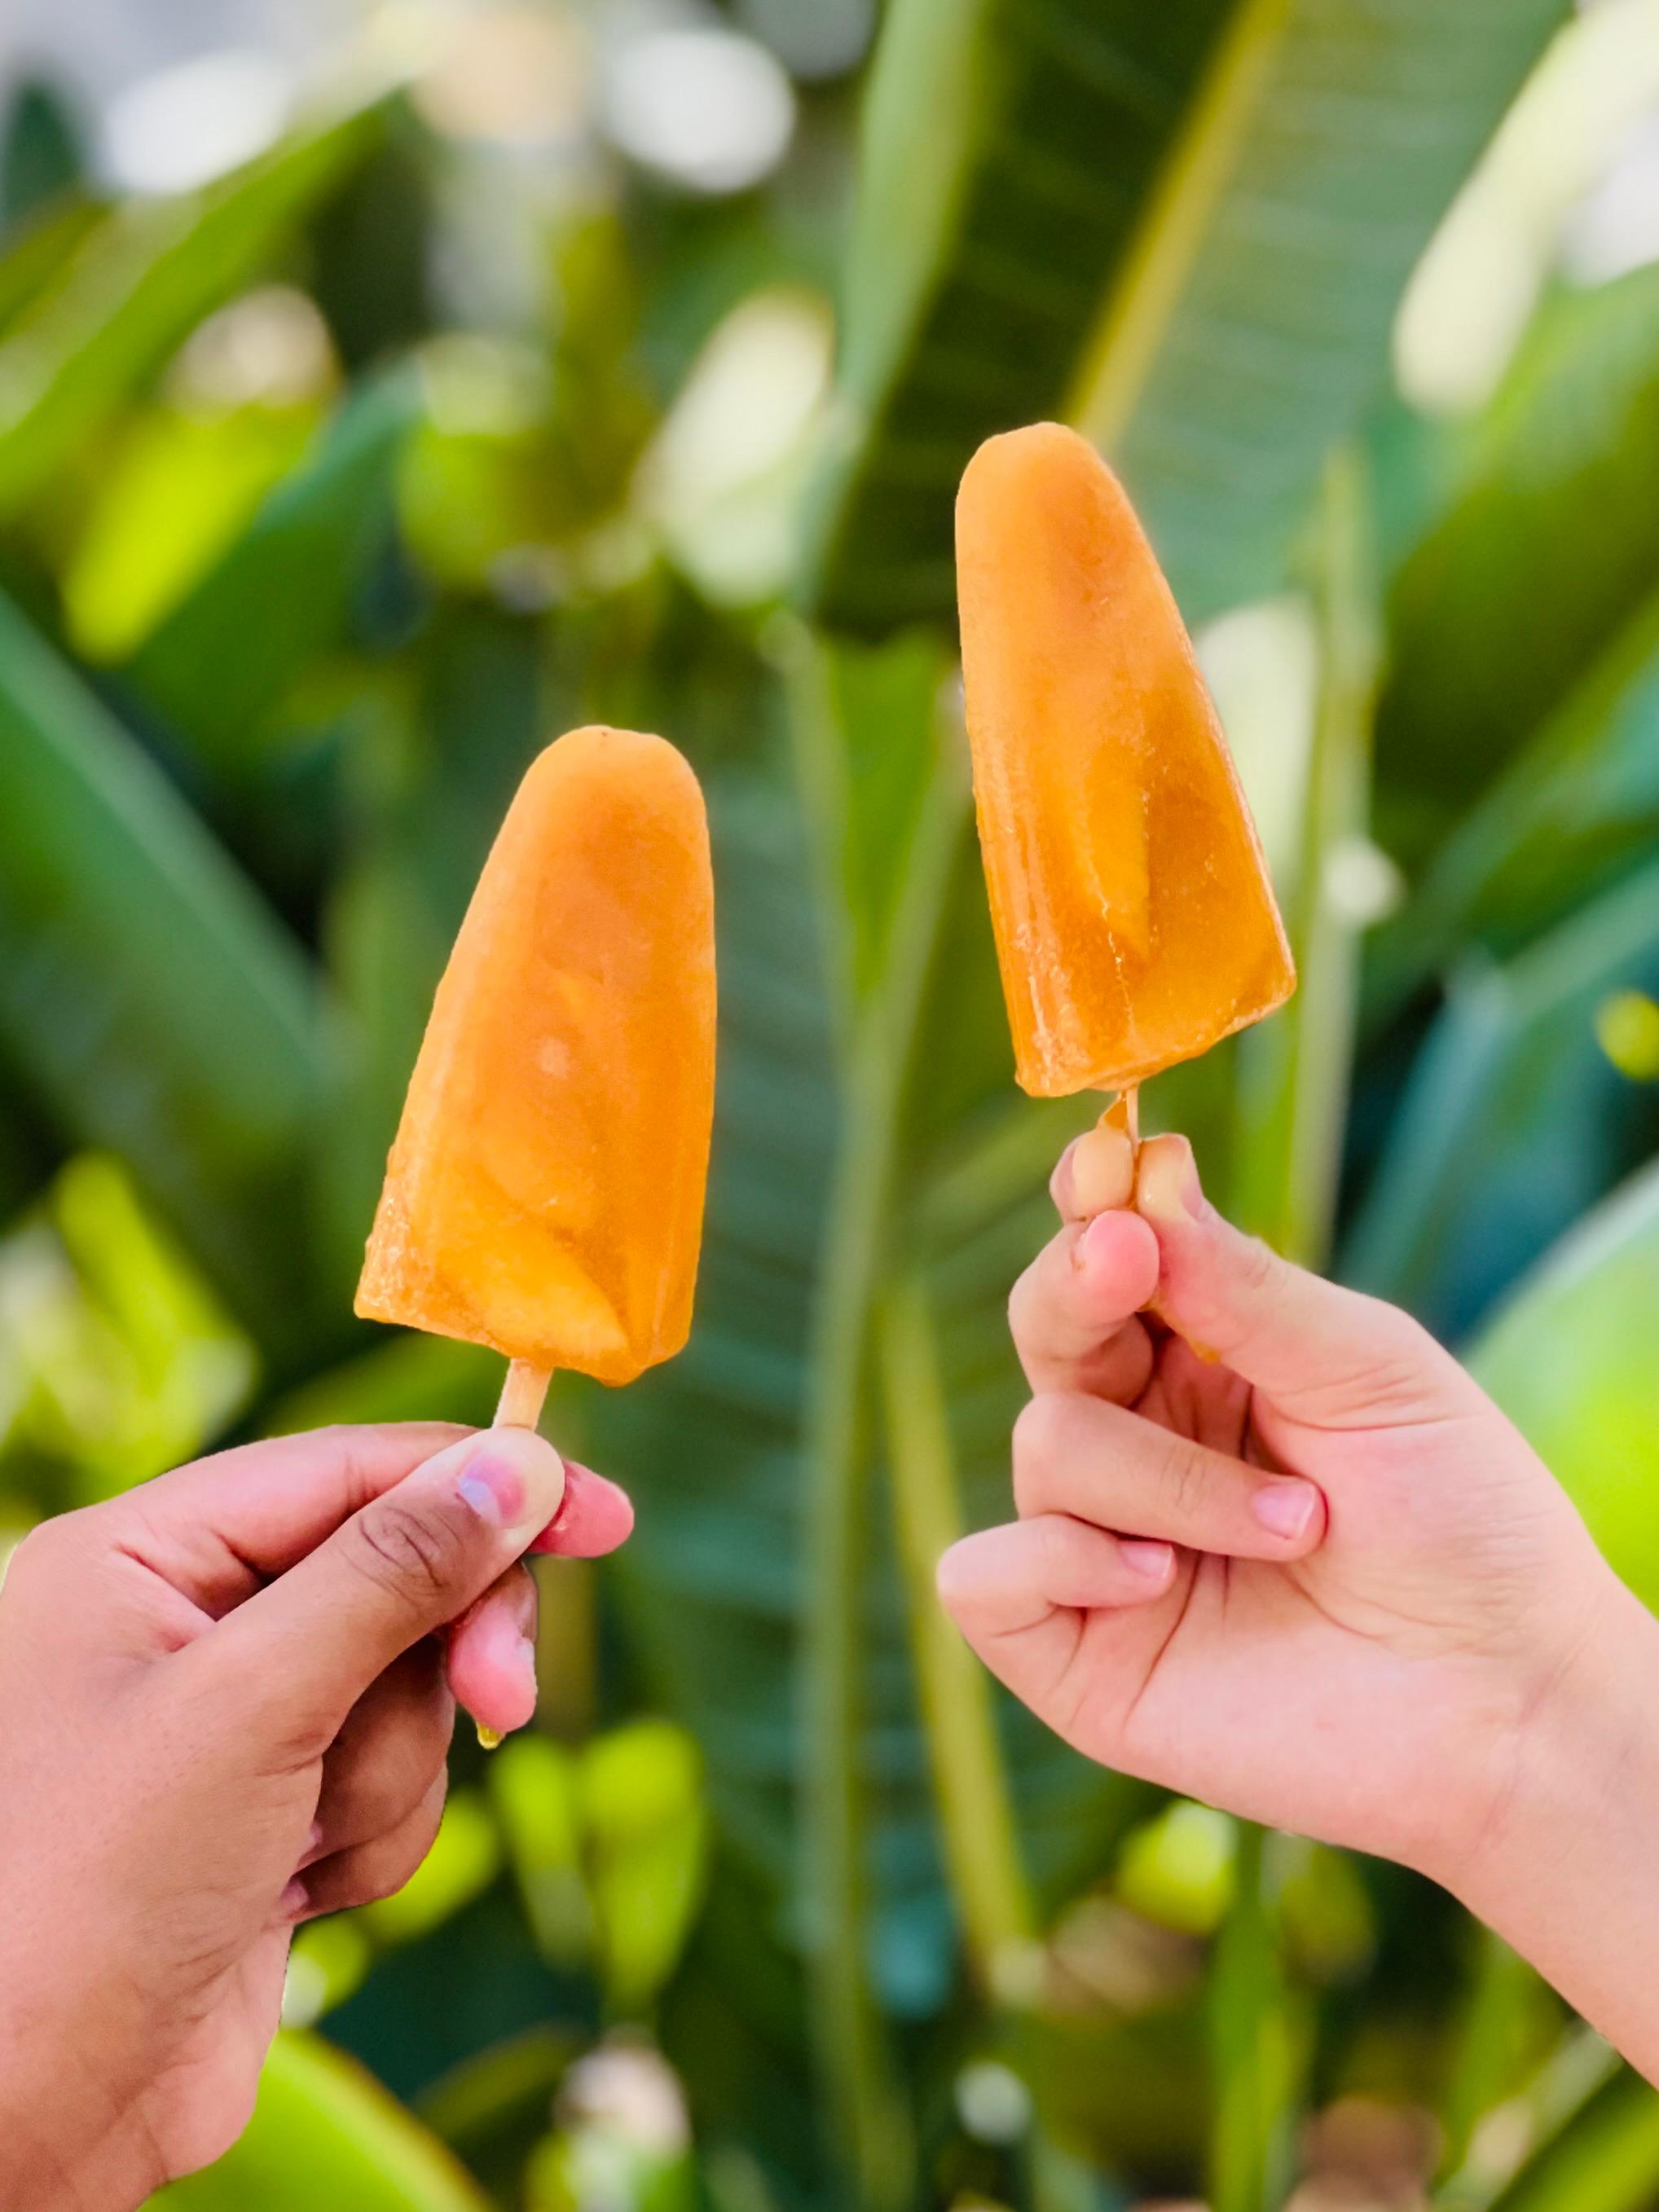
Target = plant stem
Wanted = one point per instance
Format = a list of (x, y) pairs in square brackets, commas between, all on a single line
[(1294, 1071), (975, 1808), (864, 2102)]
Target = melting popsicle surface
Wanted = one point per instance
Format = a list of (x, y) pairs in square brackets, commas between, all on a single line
[(544, 1193), (1135, 924)]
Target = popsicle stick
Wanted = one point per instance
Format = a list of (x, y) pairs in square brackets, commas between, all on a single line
[(523, 1394)]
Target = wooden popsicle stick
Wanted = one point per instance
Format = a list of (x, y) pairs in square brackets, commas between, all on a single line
[(523, 1394), (519, 1407)]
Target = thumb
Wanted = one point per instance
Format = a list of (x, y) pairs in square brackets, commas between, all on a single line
[(414, 1558), (1329, 1357)]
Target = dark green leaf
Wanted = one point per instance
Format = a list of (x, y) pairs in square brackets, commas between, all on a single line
[(229, 655), (1184, 228), (1516, 1119), (153, 1002)]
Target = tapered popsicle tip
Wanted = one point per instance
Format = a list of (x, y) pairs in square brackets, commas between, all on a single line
[(625, 754), (1038, 457)]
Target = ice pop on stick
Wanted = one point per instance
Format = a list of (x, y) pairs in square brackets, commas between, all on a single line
[(1135, 924), (544, 1194)]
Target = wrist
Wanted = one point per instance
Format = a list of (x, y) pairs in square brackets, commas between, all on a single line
[(1562, 1867)]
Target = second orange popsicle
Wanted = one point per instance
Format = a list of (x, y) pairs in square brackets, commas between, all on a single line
[(1135, 924)]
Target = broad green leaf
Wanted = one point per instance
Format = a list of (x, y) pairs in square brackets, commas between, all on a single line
[(136, 287), (1577, 806), (1516, 1119), (182, 484), (223, 659), (1571, 1360), (1184, 229), (324, 2132), (1547, 554), (153, 1005)]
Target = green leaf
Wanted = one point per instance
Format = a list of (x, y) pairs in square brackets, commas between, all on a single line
[(1185, 232), (136, 288), (222, 660), (1570, 1359), (155, 1005), (40, 153), (324, 2132), (1607, 2159), (1516, 1118), (181, 485), (1494, 623)]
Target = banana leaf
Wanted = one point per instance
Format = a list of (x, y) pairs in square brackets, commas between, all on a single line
[(136, 287), (324, 2132), (1570, 1359), (1547, 554), (221, 661), (1516, 1119), (1184, 228), (1576, 808), (148, 997)]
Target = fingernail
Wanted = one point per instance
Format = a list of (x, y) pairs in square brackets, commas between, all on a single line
[(1167, 1187), (493, 1487), (1286, 1508), (1103, 1171), (1155, 1561)]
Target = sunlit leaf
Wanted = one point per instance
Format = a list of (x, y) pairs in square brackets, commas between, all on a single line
[(1570, 1359), (138, 285), (226, 655)]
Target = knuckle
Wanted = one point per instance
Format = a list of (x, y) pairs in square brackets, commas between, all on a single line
[(1259, 1266), (409, 1551), (1038, 1444), (1185, 1474)]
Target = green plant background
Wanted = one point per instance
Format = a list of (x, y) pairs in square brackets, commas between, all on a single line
[(306, 544)]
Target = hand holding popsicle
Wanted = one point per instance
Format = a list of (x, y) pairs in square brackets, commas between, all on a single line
[(544, 1194)]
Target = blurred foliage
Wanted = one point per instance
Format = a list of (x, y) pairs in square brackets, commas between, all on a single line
[(331, 487)]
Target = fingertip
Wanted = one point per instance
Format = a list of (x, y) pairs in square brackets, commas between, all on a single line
[(491, 1666), (1168, 1191), (1102, 1170), (1116, 1259), (595, 1517), (1059, 1182), (1150, 1563)]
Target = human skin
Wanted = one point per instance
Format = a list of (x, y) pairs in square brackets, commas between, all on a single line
[(225, 1700), (1275, 1549)]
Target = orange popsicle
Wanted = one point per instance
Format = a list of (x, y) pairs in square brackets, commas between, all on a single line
[(544, 1193), (1135, 924)]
